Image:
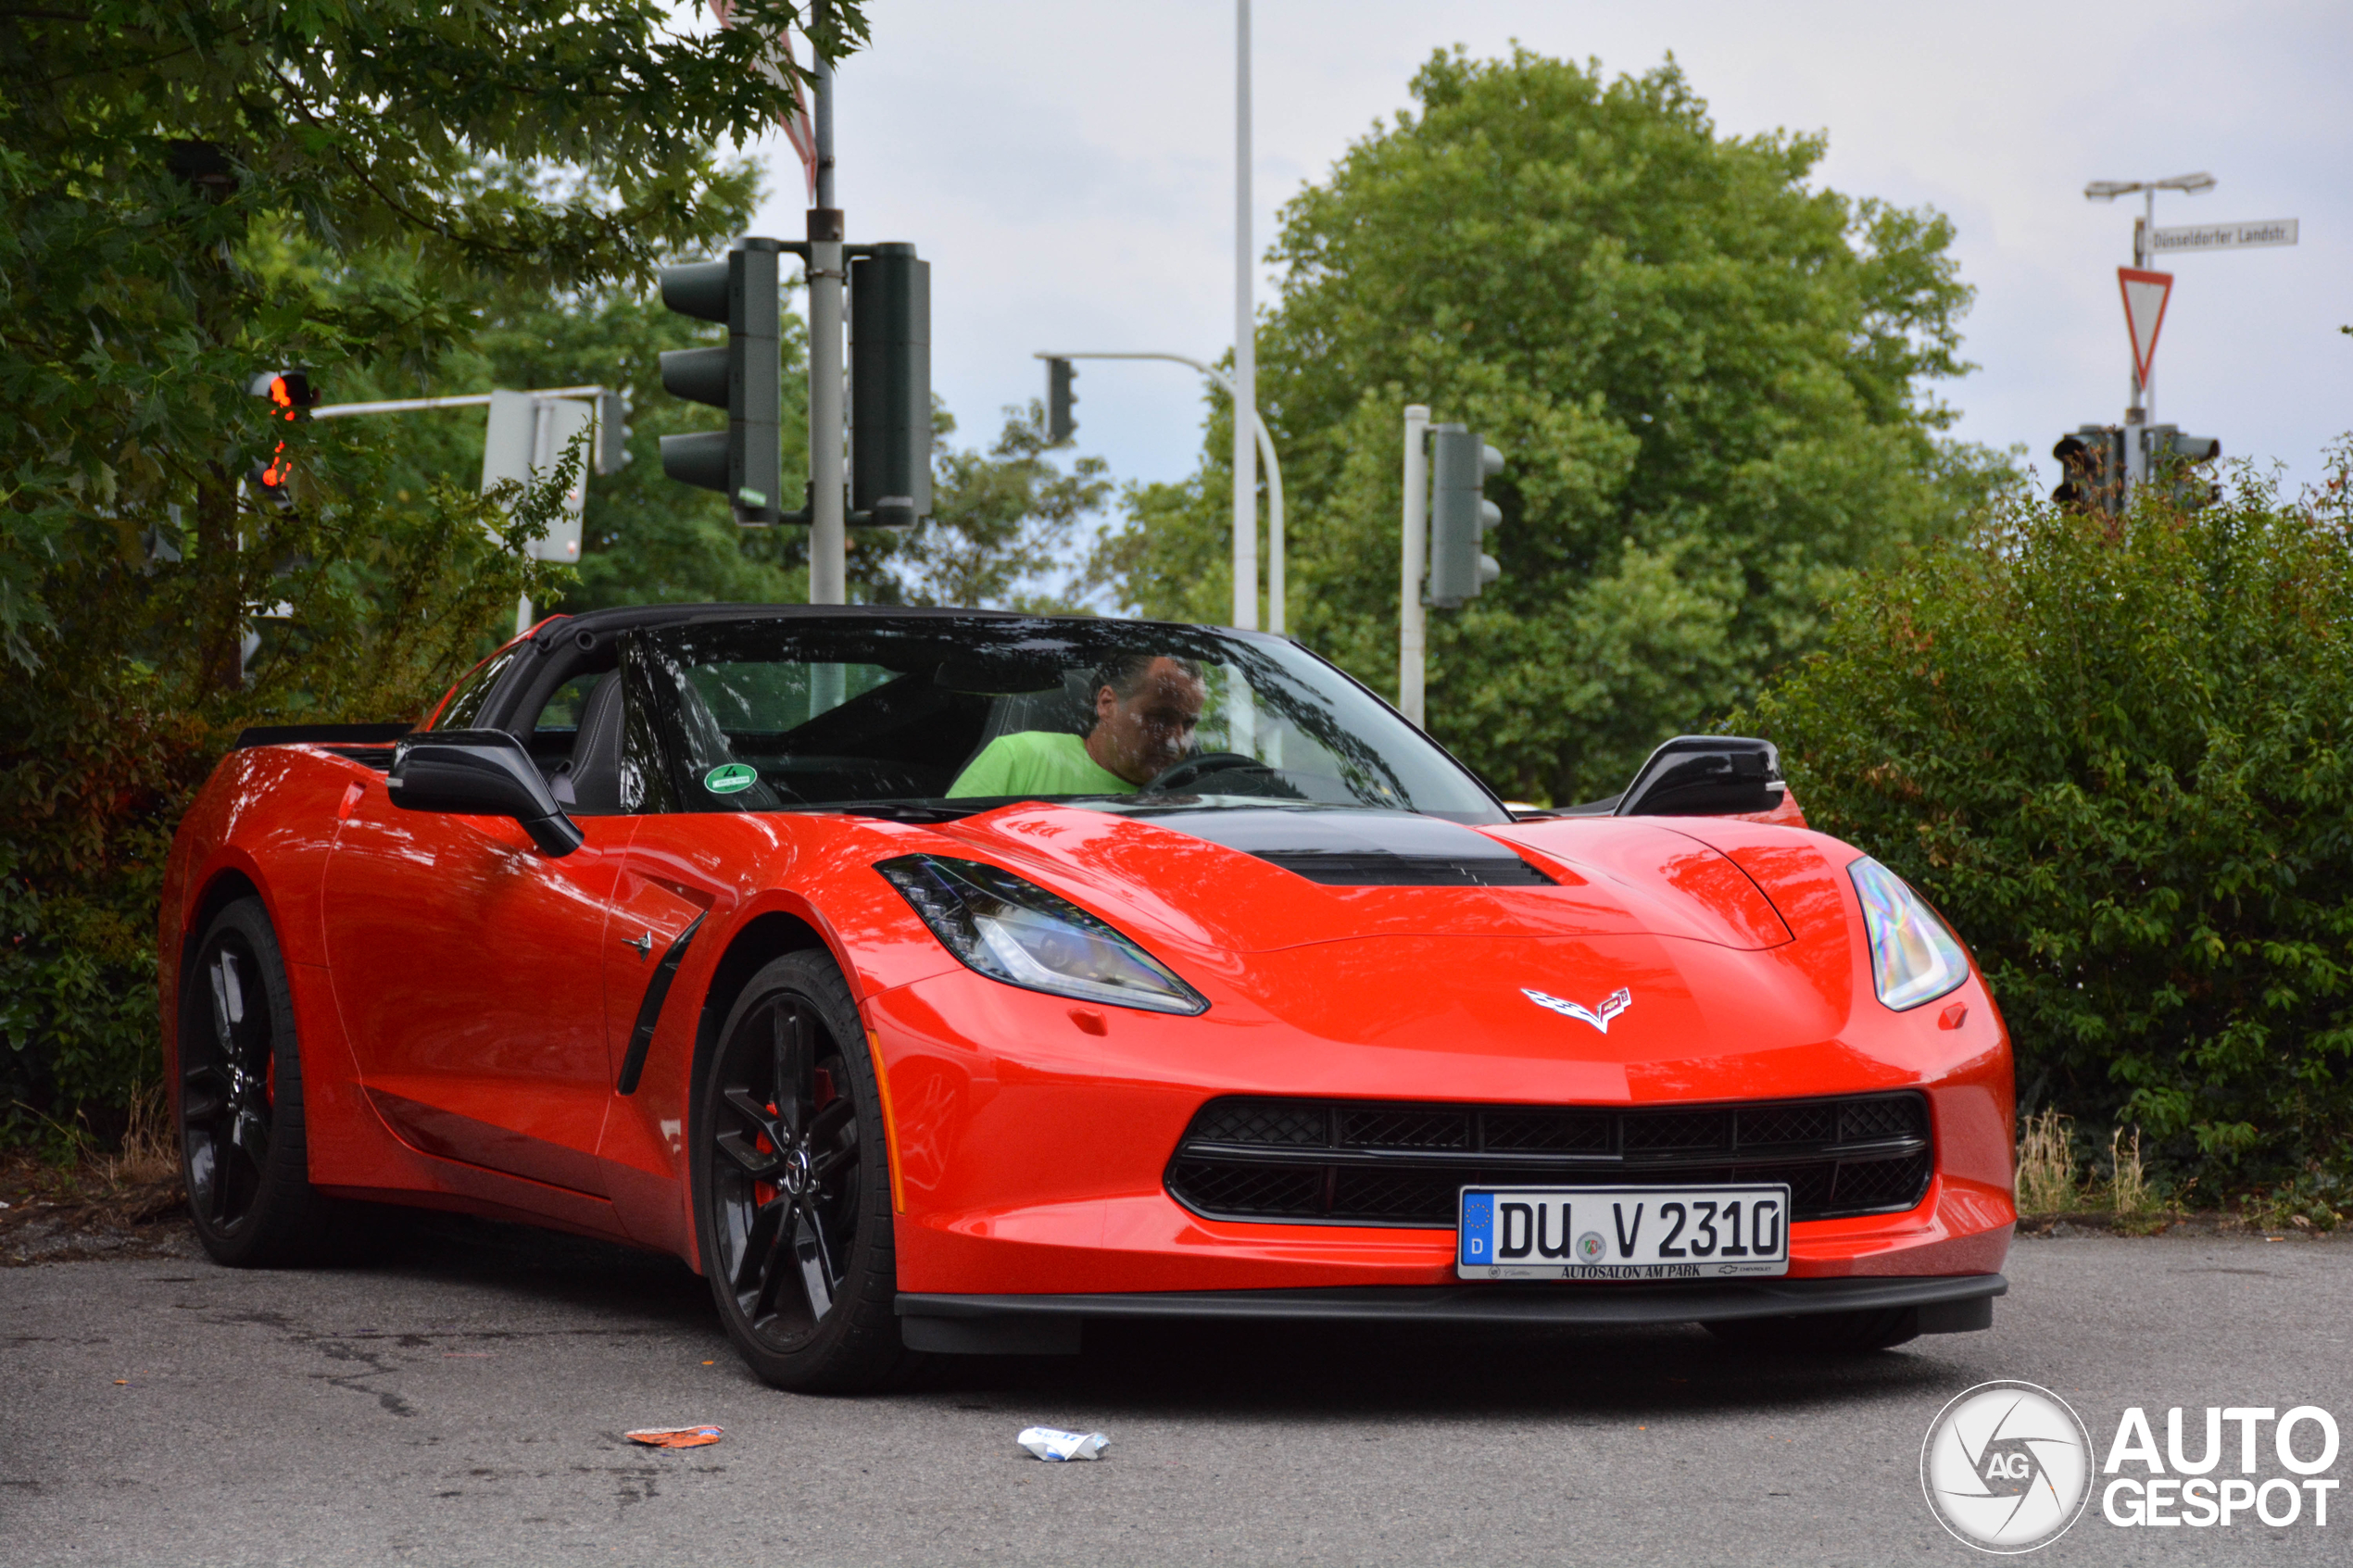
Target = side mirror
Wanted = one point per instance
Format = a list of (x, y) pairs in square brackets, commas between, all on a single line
[(1705, 776), (481, 773)]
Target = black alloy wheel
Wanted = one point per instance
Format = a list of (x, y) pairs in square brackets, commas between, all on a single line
[(793, 1187), (243, 1152)]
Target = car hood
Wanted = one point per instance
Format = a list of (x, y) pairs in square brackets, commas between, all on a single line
[(1259, 879)]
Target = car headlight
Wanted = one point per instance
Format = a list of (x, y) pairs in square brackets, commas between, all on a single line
[(1914, 958), (1018, 932)]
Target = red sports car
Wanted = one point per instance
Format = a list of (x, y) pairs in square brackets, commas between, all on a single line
[(939, 981)]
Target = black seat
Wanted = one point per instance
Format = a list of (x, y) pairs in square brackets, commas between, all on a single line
[(590, 783), (1068, 710)]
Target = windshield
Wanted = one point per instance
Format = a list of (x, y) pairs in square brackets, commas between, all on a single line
[(942, 713)]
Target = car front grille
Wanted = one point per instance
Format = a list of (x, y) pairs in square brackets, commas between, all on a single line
[(1377, 1162)]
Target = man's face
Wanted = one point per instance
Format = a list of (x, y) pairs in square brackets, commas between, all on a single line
[(1141, 736)]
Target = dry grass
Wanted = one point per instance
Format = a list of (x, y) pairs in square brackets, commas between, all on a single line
[(2128, 1187), (123, 1203), (149, 1153), (2046, 1183)]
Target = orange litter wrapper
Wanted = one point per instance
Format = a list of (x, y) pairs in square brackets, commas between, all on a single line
[(676, 1437)]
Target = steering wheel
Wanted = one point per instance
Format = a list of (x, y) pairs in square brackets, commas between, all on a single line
[(1191, 770)]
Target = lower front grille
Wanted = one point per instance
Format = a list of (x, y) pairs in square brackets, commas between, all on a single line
[(1377, 1163)]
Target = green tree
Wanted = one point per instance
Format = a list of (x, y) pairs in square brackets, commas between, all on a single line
[(645, 538), (2119, 756), (1001, 535), (1708, 377), (196, 190)]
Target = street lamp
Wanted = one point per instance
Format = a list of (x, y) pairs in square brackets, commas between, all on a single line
[(2144, 233), (1274, 586)]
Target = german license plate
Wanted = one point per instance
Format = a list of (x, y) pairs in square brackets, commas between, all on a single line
[(1622, 1232)]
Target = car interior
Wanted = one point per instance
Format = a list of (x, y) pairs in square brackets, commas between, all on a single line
[(907, 737)]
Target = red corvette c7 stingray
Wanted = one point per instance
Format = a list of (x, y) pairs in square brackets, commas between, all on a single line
[(939, 981)]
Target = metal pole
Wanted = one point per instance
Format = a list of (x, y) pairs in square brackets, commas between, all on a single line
[(2136, 412), (1412, 561), (828, 563), (2145, 247), (1276, 587), (1245, 346), (469, 400)]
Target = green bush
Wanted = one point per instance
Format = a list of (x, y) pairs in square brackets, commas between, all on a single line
[(2115, 755), (103, 741)]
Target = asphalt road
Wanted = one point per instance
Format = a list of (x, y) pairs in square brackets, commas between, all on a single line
[(462, 1401)]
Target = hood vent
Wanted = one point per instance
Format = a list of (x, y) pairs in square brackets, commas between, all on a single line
[(1375, 869), (1355, 847)]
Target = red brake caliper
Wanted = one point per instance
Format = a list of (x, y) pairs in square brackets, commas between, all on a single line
[(764, 1193)]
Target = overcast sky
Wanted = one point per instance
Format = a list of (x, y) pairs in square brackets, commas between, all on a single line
[(1067, 167)]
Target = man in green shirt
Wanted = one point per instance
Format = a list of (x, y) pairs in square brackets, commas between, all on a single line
[(1146, 708)]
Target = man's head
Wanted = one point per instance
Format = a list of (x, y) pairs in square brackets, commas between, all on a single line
[(1146, 705)]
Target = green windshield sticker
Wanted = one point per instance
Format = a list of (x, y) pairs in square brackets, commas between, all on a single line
[(729, 778)]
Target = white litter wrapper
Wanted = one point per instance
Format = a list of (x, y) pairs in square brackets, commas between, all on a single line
[(1053, 1443)]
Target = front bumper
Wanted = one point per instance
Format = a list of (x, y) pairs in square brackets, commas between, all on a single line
[(1031, 1140), (1051, 1324)]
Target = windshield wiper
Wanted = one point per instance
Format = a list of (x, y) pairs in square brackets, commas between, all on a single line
[(892, 810)]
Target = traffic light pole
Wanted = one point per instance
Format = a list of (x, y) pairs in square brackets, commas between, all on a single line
[(828, 540), (1412, 628)]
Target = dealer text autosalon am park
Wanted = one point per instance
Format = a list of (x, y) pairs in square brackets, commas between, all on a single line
[(2278, 1477)]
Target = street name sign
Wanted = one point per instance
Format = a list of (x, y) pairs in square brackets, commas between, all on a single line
[(2222, 236), (2145, 298)]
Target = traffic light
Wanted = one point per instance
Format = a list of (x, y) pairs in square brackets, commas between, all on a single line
[(2175, 462), (1460, 515), (743, 462), (2090, 469), (613, 432), (1061, 423), (290, 392), (891, 432), (291, 397)]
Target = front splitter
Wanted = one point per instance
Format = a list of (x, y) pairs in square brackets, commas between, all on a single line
[(1050, 1325)]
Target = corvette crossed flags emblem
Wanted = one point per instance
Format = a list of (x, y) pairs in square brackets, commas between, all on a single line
[(1617, 1001)]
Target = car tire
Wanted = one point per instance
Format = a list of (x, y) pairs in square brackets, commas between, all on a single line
[(237, 1105), (1822, 1334), (792, 1185)]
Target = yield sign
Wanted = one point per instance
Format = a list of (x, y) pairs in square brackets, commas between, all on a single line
[(2145, 298)]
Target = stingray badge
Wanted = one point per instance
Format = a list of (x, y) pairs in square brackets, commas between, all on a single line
[(1617, 1001)]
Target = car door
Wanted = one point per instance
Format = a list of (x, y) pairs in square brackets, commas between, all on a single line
[(468, 969)]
